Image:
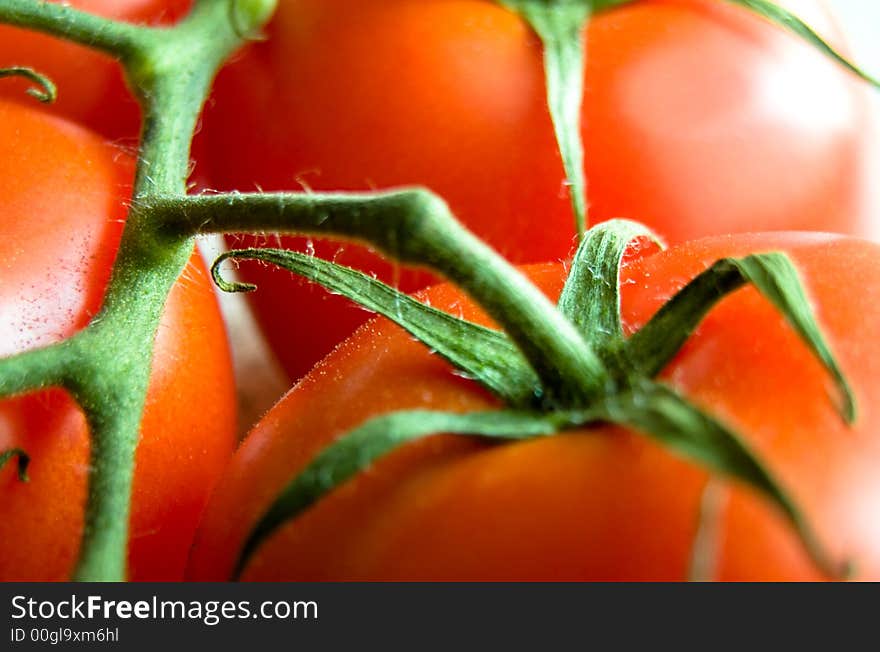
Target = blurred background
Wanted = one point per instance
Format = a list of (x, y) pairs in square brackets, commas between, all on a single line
[(265, 382), (861, 19)]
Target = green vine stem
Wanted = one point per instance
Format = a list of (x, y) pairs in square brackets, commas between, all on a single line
[(170, 71), (36, 369), (415, 226)]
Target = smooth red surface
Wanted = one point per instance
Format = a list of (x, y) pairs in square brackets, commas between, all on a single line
[(599, 504), (62, 206), (699, 118), (91, 89)]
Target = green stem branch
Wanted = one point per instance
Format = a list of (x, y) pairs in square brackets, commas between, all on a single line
[(35, 369), (416, 227), (57, 19), (170, 71)]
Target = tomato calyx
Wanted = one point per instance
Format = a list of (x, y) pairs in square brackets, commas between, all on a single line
[(45, 92), (590, 301), (24, 461)]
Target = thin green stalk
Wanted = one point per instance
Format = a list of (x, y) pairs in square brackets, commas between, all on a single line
[(114, 436), (416, 227), (35, 369), (58, 19), (171, 72)]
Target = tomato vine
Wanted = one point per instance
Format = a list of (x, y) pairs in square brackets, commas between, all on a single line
[(555, 367)]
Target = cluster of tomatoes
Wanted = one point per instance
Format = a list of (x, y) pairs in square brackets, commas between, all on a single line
[(699, 119)]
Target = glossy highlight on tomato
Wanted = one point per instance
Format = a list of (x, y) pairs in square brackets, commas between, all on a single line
[(595, 504), (699, 118), (63, 198), (91, 89)]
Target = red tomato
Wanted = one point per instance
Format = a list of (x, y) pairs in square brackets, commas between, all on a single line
[(62, 206), (91, 89), (699, 118), (597, 504)]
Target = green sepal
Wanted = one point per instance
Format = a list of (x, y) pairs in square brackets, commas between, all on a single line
[(362, 446), (247, 17), (23, 461), (590, 298), (560, 24), (774, 276), (488, 356), (660, 413), (788, 21)]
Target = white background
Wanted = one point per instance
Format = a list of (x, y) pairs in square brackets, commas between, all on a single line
[(861, 19)]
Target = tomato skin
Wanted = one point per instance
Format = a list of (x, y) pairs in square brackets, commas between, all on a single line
[(63, 193), (91, 89), (699, 119), (603, 504)]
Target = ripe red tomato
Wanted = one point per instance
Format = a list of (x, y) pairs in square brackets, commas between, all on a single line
[(91, 89), (62, 206), (595, 504), (699, 118)]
